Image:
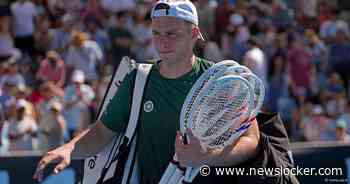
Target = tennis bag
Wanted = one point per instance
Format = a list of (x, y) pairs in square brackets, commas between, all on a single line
[(117, 162), (274, 152)]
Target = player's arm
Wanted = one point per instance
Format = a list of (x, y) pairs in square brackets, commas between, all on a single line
[(88, 142), (243, 149), (91, 141)]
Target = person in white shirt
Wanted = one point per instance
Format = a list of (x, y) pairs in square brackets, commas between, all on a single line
[(22, 130), (77, 98), (24, 14), (84, 55), (255, 60)]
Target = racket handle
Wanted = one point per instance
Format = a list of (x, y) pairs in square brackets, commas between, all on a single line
[(170, 170), (190, 174), (176, 177), (181, 180)]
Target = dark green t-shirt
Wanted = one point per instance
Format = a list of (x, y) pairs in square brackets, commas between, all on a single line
[(159, 117)]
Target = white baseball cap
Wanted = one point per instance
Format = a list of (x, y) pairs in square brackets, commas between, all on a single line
[(78, 76), (21, 103), (181, 9)]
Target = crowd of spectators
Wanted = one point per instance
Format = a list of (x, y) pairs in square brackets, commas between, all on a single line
[(56, 58)]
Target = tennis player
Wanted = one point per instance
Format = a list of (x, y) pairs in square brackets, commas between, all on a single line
[(175, 32)]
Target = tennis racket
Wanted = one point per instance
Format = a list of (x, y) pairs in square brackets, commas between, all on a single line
[(216, 117), (231, 133), (215, 108), (215, 71)]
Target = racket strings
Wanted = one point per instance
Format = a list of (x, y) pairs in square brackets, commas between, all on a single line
[(213, 73), (224, 115), (216, 110), (231, 134)]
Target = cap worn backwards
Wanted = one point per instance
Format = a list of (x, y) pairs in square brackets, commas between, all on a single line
[(181, 9)]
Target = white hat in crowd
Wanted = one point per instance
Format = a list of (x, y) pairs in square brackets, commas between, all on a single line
[(78, 76)]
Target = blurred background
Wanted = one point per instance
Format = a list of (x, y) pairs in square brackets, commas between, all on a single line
[(57, 56)]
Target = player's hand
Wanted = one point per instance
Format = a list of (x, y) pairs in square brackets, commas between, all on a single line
[(191, 154), (60, 155)]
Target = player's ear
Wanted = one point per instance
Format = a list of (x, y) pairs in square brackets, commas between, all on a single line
[(194, 33)]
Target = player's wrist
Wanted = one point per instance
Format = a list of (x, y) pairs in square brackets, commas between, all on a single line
[(70, 146), (209, 158)]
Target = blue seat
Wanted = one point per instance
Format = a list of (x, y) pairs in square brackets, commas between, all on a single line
[(4, 177), (67, 176)]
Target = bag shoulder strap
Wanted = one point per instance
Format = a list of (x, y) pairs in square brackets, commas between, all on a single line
[(125, 66), (140, 81)]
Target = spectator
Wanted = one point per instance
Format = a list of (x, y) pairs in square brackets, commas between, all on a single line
[(12, 75), (24, 14), (22, 130), (77, 99), (240, 34), (21, 94), (330, 27), (280, 15), (222, 18), (318, 50), (97, 34), (52, 68), (7, 98), (57, 131), (68, 6), (93, 10), (35, 96), (7, 49), (278, 82), (142, 35), (268, 39), (341, 134), (121, 39), (51, 93), (299, 67), (337, 102), (255, 59), (61, 35), (324, 12), (315, 126), (339, 55), (43, 35), (84, 55)]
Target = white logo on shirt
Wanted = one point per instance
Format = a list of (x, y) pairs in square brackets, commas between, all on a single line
[(148, 106)]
